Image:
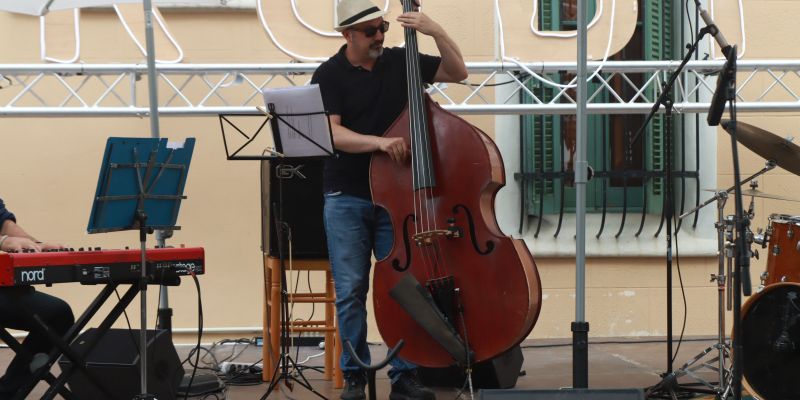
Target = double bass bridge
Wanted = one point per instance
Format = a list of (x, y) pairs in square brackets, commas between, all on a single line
[(427, 238), (451, 232)]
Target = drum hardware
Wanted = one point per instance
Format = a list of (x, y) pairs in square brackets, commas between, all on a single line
[(729, 256), (758, 193), (772, 147), (764, 277), (769, 165), (726, 251), (720, 351), (762, 238)]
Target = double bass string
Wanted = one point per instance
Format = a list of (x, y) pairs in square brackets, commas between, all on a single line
[(424, 202), (416, 126)]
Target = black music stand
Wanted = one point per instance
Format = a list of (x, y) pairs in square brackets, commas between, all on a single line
[(300, 130), (140, 187)]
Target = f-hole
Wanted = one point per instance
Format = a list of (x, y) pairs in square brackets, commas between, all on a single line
[(406, 246), (489, 243)]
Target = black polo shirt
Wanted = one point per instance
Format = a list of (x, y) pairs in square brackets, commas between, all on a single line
[(368, 102)]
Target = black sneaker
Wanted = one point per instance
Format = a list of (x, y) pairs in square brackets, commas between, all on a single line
[(354, 383), (408, 387)]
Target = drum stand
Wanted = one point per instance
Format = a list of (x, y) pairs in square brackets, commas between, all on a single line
[(721, 350)]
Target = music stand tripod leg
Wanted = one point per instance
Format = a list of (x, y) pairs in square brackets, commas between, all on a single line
[(281, 372)]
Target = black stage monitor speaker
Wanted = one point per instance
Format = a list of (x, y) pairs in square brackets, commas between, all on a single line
[(115, 362), (298, 182), (567, 394), (500, 372)]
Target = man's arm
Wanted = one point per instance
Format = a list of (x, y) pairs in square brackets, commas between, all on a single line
[(452, 67), (11, 228), (351, 142), (14, 238), (17, 239)]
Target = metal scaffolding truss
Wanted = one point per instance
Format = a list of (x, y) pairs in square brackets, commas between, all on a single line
[(623, 87)]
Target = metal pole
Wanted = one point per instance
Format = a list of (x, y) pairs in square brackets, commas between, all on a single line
[(154, 132), (580, 328), (151, 68)]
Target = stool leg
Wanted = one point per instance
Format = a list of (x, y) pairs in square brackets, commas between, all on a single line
[(329, 335), (338, 376), (271, 347), (266, 373)]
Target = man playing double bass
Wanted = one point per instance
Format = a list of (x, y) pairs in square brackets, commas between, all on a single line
[(364, 89)]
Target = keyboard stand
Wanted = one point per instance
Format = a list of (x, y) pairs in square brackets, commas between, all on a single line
[(57, 384), (20, 351)]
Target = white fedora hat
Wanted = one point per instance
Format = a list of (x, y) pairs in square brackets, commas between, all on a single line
[(351, 12)]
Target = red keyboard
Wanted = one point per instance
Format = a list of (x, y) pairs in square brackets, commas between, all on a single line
[(164, 266)]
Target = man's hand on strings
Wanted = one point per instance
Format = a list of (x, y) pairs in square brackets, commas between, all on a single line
[(420, 22), (414, 4), (396, 148)]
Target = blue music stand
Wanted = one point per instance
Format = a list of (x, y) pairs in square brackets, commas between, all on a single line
[(140, 174), (140, 187)]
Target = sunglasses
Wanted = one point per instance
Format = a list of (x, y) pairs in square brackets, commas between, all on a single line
[(372, 30)]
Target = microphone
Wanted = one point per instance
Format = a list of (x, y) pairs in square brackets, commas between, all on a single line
[(712, 29)]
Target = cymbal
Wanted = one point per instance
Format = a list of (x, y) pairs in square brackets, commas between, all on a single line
[(768, 145), (758, 193)]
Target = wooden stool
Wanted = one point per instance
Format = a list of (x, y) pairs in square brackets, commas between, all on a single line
[(271, 346)]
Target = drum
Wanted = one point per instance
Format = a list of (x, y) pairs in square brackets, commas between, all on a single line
[(770, 333), (783, 262)]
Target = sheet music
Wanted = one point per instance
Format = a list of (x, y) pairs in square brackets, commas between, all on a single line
[(301, 100)]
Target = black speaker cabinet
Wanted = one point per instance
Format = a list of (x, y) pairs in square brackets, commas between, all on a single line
[(500, 372), (115, 362), (567, 394), (293, 188)]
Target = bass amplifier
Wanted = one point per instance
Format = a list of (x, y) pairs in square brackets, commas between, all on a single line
[(293, 189)]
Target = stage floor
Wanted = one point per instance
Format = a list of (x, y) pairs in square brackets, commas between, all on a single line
[(613, 363)]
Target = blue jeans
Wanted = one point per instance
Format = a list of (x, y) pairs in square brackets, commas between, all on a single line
[(355, 228)]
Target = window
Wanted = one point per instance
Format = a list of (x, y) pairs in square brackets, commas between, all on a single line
[(625, 182)]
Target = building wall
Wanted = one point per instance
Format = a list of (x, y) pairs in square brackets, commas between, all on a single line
[(50, 165)]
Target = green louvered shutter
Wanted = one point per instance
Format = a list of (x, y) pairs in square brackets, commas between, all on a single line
[(549, 15), (657, 46), (539, 131), (541, 140)]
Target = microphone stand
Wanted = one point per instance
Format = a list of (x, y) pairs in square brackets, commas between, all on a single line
[(669, 381), (741, 275)]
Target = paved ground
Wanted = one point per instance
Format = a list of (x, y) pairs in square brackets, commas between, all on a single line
[(613, 364)]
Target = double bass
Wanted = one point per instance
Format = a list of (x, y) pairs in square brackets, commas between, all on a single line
[(483, 284)]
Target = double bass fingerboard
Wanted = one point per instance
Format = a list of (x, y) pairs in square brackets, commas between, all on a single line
[(421, 155)]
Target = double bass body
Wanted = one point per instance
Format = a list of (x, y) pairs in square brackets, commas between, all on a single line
[(449, 231)]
